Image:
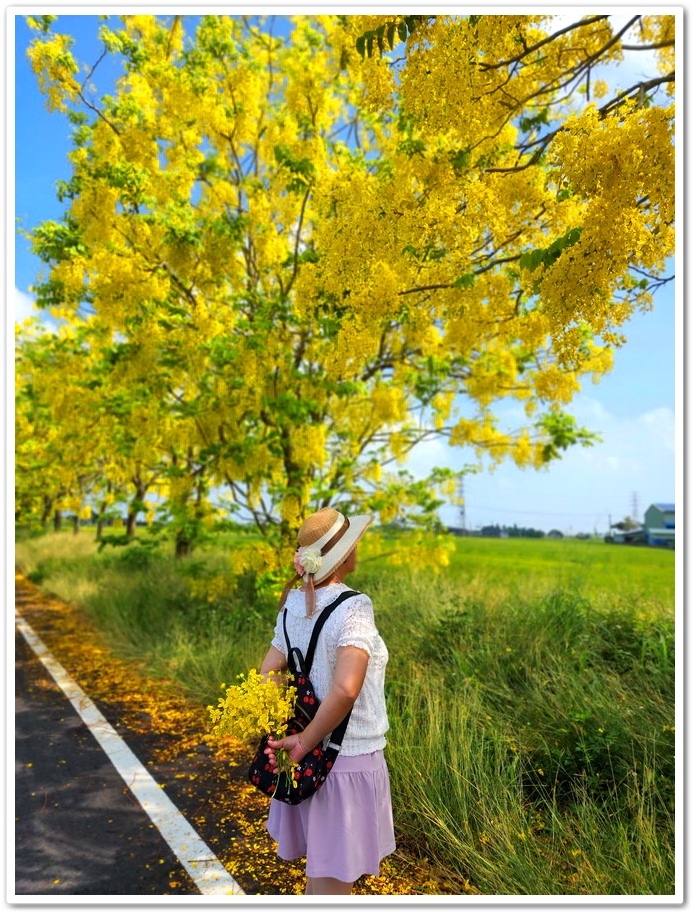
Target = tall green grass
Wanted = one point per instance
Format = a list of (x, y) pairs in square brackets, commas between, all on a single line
[(537, 744), (530, 690)]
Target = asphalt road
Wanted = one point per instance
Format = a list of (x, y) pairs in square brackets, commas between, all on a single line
[(78, 828)]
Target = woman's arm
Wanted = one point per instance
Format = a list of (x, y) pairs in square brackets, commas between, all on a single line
[(351, 667), (274, 661)]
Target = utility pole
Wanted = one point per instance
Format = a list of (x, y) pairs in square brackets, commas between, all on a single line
[(634, 505), (462, 503)]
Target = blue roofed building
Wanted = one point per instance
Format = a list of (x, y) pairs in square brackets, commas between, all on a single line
[(659, 525)]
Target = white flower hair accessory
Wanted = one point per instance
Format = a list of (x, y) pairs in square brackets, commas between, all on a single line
[(310, 559)]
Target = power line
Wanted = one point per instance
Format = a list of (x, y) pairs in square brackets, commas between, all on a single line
[(514, 511)]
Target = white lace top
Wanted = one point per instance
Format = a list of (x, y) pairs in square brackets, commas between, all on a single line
[(352, 623)]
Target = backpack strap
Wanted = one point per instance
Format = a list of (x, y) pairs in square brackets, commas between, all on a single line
[(323, 617), (298, 663)]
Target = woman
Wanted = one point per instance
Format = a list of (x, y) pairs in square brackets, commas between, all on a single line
[(345, 829)]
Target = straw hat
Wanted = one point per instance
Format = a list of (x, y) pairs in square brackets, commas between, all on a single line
[(326, 538)]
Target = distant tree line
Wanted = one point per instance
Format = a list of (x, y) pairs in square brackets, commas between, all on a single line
[(511, 531), (514, 531)]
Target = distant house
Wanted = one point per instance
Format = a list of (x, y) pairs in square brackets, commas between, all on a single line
[(660, 515), (659, 525)]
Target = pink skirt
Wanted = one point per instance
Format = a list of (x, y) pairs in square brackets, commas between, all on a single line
[(346, 828)]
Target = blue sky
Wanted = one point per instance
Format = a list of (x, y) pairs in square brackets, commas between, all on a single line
[(636, 409)]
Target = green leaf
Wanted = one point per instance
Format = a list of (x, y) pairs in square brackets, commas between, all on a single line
[(405, 27), (563, 431), (54, 241), (302, 169), (529, 123), (530, 260), (40, 23), (460, 159)]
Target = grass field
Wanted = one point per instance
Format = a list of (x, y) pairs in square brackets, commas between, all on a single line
[(592, 566), (530, 690)]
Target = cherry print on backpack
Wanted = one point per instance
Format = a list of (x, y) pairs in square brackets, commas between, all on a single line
[(311, 772)]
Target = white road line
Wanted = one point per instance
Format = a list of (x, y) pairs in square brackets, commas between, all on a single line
[(197, 858)]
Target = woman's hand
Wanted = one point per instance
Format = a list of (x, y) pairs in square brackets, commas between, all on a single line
[(292, 744), (351, 666)]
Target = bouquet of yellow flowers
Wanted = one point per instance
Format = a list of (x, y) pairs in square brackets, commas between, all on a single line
[(259, 705)]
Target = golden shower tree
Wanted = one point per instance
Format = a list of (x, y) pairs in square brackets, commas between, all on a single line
[(298, 248)]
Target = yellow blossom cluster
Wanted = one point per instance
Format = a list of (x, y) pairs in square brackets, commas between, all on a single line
[(308, 445), (661, 32), (258, 705), (56, 68), (256, 557)]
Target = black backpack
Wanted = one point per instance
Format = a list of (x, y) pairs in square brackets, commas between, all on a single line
[(311, 772)]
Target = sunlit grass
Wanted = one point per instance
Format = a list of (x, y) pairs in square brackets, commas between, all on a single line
[(595, 568), (52, 549)]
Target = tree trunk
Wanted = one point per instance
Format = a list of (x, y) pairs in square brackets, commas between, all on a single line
[(134, 507), (183, 545), (294, 476), (76, 524), (100, 520), (57, 520), (130, 523)]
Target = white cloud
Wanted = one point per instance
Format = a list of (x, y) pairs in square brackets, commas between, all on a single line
[(634, 463), (24, 306), (661, 420), (639, 440)]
